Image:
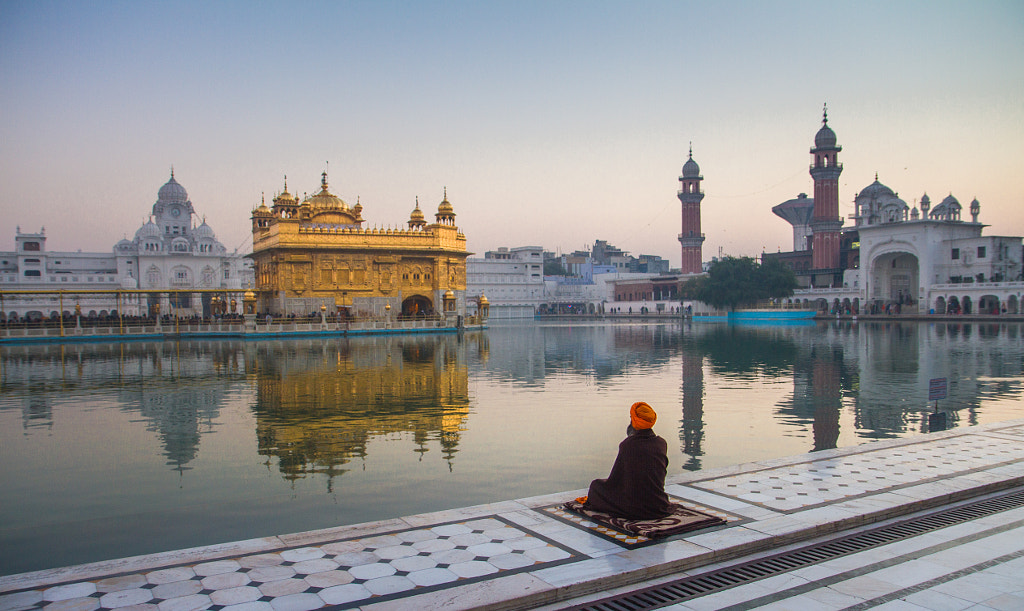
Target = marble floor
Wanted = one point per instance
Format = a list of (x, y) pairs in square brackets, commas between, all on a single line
[(524, 554)]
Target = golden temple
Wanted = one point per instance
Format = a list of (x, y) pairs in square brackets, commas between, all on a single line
[(316, 256)]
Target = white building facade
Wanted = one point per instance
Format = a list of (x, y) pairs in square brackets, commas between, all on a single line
[(512, 279), (169, 252)]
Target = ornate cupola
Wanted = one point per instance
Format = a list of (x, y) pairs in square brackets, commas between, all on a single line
[(975, 210), (285, 204), (261, 216), (445, 213), (926, 202), (416, 219)]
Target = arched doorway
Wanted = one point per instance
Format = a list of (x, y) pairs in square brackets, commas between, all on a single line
[(940, 305), (417, 306), (988, 304), (1012, 304), (894, 278)]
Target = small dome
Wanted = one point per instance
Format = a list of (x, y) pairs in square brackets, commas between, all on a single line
[(876, 190), (172, 192), (249, 296), (484, 300), (149, 230), (203, 231), (124, 245), (445, 207), (690, 168), (417, 214), (825, 138)]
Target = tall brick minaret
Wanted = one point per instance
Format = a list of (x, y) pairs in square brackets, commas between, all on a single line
[(825, 223), (690, 197)]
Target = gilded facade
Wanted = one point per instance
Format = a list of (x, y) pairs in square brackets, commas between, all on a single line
[(316, 254)]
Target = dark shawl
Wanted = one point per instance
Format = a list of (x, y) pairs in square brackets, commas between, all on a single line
[(635, 488)]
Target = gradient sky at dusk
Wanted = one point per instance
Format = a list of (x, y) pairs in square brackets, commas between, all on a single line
[(550, 123)]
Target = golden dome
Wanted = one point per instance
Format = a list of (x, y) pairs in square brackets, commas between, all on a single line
[(483, 300), (445, 207), (449, 294), (325, 200), (417, 214), (249, 296)]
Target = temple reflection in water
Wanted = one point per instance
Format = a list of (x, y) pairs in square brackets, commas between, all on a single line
[(319, 404)]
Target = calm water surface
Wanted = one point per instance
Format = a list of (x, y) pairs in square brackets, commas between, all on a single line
[(110, 450)]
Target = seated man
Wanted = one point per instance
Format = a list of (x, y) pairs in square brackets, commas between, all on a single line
[(635, 489)]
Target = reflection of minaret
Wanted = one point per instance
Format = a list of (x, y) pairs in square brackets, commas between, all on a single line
[(690, 197), (691, 430), (826, 390)]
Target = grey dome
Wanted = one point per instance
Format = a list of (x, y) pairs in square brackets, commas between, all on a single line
[(203, 231), (172, 192), (149, 230), (690, 168), (825, 138)]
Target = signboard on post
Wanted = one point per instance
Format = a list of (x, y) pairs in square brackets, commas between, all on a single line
[(936, 389)]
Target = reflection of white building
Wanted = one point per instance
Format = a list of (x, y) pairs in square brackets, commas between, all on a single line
[(168, 252), (511, 278)]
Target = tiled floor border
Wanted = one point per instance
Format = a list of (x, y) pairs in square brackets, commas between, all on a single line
[(574, 556), (826, 503)]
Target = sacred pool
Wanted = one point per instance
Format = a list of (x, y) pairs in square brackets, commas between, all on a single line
[(117, 449)]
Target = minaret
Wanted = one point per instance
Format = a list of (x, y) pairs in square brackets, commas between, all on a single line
[(826, 222), (690, 197)]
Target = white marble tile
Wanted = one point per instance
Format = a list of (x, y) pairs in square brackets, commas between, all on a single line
[(526, 590), (588, 570), (669, 553), (937, 601), (734, 539)]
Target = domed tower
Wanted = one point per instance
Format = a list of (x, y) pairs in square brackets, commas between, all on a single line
[(416, 219), (825, 223), (173, 210), (285, 204), (261, 216), (445, 213), (690, 196)]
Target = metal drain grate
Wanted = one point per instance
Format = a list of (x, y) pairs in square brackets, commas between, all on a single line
[(692, 587)]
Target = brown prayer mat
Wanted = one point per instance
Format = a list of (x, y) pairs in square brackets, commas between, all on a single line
[(682, 519)]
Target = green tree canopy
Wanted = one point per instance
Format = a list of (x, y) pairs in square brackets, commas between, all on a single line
[(735, 282)]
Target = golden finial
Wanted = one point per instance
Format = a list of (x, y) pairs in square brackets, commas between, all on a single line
[(824, 114)]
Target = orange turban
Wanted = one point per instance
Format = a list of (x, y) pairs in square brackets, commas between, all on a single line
[(641, 416)]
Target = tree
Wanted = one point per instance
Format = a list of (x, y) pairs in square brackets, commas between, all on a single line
[(740, 281), (553, 267)]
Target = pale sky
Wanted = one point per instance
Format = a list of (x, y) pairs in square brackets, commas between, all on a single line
[(550, 123)]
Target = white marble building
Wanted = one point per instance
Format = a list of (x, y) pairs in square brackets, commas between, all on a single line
[(927, 260), (511, 278), (170, 251)]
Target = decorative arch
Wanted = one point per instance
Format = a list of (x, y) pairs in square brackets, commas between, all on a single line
[(894, 276), (417, 305)]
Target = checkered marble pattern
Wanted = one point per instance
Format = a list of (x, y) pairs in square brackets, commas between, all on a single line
[(627, 540), (341, 573), (796, 486)]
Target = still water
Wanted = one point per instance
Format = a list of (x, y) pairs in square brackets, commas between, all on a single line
[(110, 450)]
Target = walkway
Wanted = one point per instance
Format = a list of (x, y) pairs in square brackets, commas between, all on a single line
[(931, 522)]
